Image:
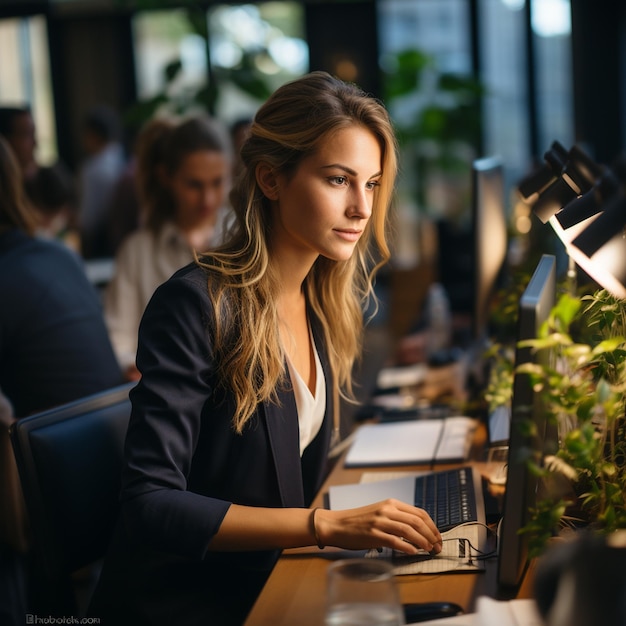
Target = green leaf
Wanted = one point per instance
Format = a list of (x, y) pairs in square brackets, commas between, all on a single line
[(458, 83), (252, 84), (171, 70), (197, 19), (608, 345), (566, 309), (137, 114), (405, 76)]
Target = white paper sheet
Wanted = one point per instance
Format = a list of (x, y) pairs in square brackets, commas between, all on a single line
[(412, 442)]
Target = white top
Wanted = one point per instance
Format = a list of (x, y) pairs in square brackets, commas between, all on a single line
[(145, 261), (311, 408)]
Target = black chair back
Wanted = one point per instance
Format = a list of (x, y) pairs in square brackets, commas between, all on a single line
[(69, 460)]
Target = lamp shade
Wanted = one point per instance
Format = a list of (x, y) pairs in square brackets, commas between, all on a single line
[(591, 202), (578, 176), (609, 223), (607, 265), (586, 206), (535, 182)]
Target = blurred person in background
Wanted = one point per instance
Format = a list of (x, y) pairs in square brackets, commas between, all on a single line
[(53, 196), (49, 189), (124, 215), (54, 345), (54, 348), (17, 126), (98, 177), (183, 174)]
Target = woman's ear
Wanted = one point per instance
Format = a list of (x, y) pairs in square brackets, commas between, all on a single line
[(267, 180)]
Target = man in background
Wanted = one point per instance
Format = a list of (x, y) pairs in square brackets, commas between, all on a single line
[(99, 174)]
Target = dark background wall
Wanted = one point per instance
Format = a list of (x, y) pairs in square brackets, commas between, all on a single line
[(599, 64), (91, 62), (342, 36)]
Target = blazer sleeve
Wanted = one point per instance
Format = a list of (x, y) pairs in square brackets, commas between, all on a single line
[(174, 357)]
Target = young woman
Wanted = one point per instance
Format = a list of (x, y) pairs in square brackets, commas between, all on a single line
[(183, 177), (243, 355)]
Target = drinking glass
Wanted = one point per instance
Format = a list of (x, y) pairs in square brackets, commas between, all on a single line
[(362, 592)]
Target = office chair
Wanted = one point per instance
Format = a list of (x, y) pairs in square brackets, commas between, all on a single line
[(69, 460), (13, 522)]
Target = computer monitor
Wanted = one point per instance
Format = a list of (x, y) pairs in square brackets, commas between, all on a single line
[(522, 485), (490, 239)]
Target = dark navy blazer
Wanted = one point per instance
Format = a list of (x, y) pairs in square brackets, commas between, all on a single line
[(185, 465), (54, 345)]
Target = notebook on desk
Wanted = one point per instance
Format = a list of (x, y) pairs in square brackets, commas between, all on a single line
[(446, 440)]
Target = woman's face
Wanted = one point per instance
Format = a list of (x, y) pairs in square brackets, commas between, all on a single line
[(199, 187), (324, 207)]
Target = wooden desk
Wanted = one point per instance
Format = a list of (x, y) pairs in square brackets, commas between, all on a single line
[(296, 590)]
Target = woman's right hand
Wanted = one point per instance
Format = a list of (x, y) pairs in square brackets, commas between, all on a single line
[(387, 524)]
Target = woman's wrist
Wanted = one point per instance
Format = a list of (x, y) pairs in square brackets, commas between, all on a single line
[(313, 522)]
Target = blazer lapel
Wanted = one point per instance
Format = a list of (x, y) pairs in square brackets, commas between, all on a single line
[(320, 343), (284, 433), (284, 436)]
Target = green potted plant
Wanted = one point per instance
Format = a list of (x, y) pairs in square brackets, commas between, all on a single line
[(438, 122), (582, 391)]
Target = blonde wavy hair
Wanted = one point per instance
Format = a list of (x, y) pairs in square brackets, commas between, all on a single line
[(290, 126)]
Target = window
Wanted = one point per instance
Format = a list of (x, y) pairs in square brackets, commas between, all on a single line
[(441, 28), (551, 29), (25, 77), (250, 49), (503, 71), (428, 42)]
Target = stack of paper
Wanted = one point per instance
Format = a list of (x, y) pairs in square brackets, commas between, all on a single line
[(416, 442)]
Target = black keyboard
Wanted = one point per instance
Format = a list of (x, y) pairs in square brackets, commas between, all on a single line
[(448, 496)]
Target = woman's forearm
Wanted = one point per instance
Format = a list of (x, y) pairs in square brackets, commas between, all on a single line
[(389, 523)]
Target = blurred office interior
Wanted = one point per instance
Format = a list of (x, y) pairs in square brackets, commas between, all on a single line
[(462, 79)]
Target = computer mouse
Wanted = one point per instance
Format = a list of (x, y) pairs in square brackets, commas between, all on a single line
[(424, 611)]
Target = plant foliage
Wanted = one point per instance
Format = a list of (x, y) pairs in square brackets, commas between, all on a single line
[(582, 391)]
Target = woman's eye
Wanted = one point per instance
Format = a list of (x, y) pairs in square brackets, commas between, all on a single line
[(372, 184), (339, 180)]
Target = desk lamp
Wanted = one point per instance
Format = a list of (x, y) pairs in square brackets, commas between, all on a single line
[(590, 203), (611, 197), (586, 207), (578, 176), (532, 185)]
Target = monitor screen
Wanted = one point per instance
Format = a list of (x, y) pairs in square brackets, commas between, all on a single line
[(490, 238), (535, 306)]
